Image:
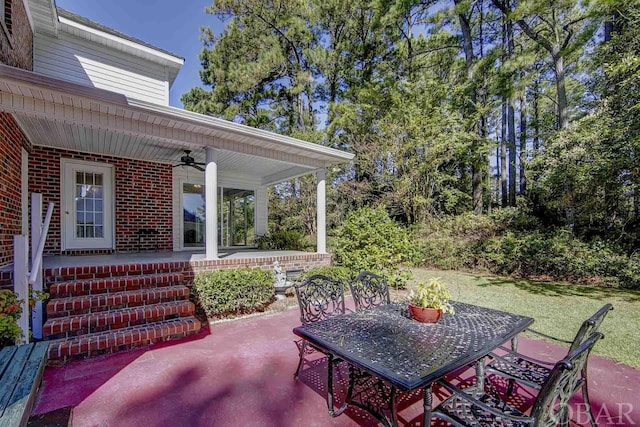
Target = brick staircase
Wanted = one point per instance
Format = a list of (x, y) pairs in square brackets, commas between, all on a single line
[(103, 309)]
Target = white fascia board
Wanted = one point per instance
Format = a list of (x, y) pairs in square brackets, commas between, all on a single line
[(244, 130), (25, 4), (161, 57)]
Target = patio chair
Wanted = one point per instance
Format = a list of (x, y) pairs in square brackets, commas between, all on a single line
[(319, 297), (475, 408), (531, 372), (369, 290)]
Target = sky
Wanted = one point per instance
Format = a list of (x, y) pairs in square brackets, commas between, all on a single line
[(168, 24)]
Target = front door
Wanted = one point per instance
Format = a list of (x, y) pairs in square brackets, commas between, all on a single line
[(87, 201)]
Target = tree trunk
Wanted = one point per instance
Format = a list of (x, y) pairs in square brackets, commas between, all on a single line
[(523, 142), (498, 192), (503, 155), (554, 47), (563, 111), (536, 118), (477, 159), (512, 152), (511, 130)]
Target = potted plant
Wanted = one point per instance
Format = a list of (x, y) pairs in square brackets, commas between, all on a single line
[(429, 301)]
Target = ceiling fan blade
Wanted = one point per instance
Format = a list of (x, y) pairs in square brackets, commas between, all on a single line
[(195, 165), (181, 164), (198, 163)]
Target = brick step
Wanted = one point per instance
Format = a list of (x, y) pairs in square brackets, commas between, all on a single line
[(112, 284), (123, 339), (63, 274), (72, 306), (70, 326)]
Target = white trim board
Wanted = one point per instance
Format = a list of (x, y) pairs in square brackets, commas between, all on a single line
[(68, 241)]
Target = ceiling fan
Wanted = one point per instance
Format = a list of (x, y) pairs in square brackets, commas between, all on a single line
[(187, 160)]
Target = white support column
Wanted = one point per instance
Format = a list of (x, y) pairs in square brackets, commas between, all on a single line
[(262, 211), (36, 232), (321, 211), (20, 281), (211, 203)]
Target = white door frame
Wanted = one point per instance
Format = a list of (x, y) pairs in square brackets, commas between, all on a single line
[(68, 169)]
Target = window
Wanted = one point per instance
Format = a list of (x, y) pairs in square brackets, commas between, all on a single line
[(5, 16), (89, 205), (236, 216)]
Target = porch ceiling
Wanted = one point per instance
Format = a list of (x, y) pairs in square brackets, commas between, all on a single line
[(44, 132), (66, 115)]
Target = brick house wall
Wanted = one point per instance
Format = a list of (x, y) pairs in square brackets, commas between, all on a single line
[(143, 198), (16, 49), (16, 36), (12, 140)]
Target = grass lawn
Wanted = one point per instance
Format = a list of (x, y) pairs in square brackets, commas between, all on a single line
[(558, 308)]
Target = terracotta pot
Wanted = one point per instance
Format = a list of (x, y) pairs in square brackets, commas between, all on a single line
[(425, 315)]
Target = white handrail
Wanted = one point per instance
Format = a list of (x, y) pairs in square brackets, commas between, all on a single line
[(33, 276)]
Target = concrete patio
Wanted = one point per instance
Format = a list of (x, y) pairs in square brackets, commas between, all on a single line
[(240, 373)]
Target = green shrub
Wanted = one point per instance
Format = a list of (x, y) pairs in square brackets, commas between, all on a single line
[(230, 292), (10, 312), (557, 254), (370, 240), (511, 242), (452, 242), (282, 240), (335, 272)]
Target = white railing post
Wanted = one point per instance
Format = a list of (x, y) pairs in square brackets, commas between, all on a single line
[(36, 233), (20, 284), (37, 263)]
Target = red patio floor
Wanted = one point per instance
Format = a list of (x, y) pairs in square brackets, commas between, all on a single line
[(240, 373)]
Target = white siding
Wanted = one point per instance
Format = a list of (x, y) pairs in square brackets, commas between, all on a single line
[(77, 60)]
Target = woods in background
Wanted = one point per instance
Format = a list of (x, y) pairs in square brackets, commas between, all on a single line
[(449, 106)]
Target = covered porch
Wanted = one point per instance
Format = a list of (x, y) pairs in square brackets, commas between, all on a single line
[(115, 169)]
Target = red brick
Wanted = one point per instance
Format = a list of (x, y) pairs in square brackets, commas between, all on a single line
[(134, 209)]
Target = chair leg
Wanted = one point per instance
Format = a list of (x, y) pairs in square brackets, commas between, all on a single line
[(303, 347), (585, 397), (564, 418)]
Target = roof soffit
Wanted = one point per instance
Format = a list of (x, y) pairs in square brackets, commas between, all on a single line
[(58, 100)]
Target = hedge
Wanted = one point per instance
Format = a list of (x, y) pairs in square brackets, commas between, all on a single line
[(231, 292)]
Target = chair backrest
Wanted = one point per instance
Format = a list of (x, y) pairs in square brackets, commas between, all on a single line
[(320, 297), (590, 326), (552, 403), (369, 290)]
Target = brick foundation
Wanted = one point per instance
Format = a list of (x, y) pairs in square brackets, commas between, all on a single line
[(143, 198), (188, 269)]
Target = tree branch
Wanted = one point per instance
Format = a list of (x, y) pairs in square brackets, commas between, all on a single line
[(526, 28)]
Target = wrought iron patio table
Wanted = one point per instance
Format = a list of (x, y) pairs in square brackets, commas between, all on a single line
[(389, 353)]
